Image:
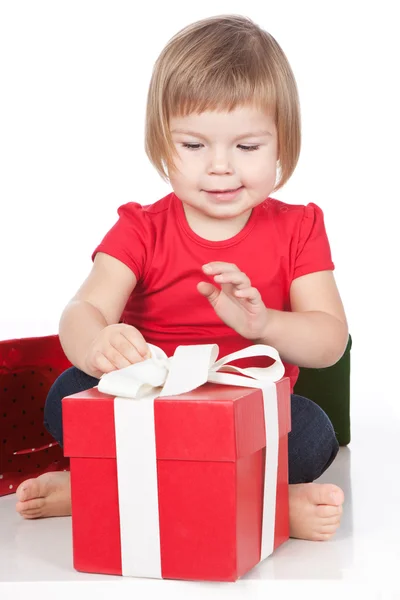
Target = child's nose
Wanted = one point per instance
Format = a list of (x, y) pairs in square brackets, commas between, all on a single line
[(220, 163)]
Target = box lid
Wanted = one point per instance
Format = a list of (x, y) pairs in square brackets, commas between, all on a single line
[(211, 423)]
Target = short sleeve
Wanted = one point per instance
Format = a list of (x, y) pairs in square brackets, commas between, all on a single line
[(129, 240), (313, 248)]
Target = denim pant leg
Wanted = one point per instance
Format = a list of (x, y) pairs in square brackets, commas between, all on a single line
[(312, 441), (70, 382)]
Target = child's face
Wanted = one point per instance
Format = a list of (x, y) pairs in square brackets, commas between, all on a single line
[(213, 156)]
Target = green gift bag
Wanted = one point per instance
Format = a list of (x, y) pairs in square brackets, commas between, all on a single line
[(330, 389)]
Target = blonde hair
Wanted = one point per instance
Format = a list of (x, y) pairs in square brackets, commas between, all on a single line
[(221, 63)]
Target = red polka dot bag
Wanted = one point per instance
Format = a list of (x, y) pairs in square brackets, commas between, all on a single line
[(28, 368)]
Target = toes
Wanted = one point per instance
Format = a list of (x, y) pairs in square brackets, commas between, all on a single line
[(31, 509), (28, 489), (23, 490), (331, 528), (314, 515), (48, 495), (336, 495), (325, 531), (35, 504), (325, 494), (322, 537), (31, 514), (329, 522), (328, 510)]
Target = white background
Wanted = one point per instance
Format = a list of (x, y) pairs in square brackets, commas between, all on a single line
[(74, 79)]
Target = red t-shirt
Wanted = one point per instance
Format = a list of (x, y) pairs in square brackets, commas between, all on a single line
[(278, 243)]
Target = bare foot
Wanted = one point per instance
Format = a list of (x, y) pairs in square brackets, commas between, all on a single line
[(314, 510), (49, 495)]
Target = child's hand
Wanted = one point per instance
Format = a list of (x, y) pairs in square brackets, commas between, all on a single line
[(237, 303), (117, 346)]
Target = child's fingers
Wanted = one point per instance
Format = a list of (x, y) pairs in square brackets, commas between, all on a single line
[(216, 268), (128, 349), (236, 278), (209, 291), (227, 273), (251, 294), (102, 364), (125, 354), (114, 356), (137, 341)]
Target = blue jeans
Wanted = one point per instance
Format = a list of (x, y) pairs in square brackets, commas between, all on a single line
[(312, 442)]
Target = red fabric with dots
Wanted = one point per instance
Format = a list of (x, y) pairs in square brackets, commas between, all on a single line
[(28, 368)]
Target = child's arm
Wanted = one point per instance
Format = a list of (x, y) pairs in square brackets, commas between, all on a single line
[(314, 334), (97, 305)]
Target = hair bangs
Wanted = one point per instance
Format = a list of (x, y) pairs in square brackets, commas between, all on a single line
[(220, 91)]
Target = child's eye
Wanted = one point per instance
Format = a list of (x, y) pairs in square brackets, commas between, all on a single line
[(248, 148), (191, 146)]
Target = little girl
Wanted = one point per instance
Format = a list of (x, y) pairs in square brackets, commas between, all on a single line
[(217, 260)]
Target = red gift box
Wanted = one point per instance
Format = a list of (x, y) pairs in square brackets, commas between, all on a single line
[(210, 463)]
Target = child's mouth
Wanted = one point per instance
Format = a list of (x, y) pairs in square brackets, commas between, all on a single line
[(224, 194)]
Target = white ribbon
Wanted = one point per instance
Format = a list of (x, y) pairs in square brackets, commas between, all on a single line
[(189, 368)]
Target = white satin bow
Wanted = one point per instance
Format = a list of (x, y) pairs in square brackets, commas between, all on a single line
[(189, 368)]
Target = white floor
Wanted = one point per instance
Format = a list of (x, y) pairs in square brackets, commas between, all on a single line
[(363, 559)]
